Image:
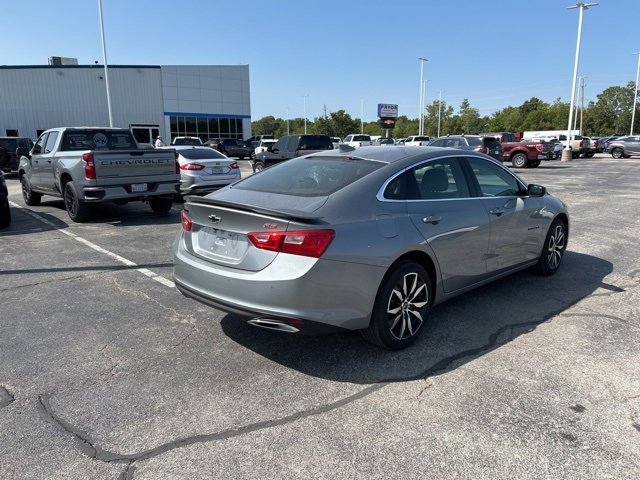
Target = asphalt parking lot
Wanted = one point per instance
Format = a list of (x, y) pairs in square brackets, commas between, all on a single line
[(106, 371)]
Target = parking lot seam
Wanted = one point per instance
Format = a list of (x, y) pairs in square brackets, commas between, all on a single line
[(145, 271)]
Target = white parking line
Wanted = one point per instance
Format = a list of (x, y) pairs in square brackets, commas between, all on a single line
[(98, 248)]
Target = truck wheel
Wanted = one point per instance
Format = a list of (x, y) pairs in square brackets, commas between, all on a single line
[(30, 197), (617, 153), (589, 155), (5, 214), (575, 154), (160, 204), (535, 164), (78, 210), (252, 156), (520, 160), (258, 166)]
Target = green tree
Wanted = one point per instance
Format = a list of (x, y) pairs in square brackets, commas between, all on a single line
[(611, 113)]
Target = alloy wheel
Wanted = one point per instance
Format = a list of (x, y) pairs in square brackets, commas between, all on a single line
[(406, 304), (70, 202), (556, 246)]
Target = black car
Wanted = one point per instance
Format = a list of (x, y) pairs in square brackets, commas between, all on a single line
[(487, 145), (624, 147), (5, 213), (11, 149), (291, 146), (231, 147)]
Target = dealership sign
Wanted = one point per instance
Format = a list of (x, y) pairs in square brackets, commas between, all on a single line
[(387, 110)]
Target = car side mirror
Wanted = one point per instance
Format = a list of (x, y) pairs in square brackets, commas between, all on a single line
[(534, 190)]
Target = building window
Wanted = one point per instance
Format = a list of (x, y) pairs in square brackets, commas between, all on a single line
[(205, 127), (10, 132), (40, 131)]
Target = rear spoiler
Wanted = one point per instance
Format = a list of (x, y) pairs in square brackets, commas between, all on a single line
[(282, 213)]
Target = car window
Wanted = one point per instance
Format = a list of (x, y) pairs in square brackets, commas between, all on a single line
[(201, 153), (93, 139), (315, 142), (434, 180), (309, 177), (437, 143), (493, 180), (39, 146), (51, 142), (456, 143), (280, 144), (490, 142)]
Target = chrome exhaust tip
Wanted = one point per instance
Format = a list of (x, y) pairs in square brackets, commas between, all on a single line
[(272, 324)]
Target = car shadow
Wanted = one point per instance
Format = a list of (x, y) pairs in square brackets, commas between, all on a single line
[(22, 223), (458, 330)]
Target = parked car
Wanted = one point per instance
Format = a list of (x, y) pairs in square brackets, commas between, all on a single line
[(255, 140), (186, 141), (590, 150), (368, 242), (487, 145), (502, 137), (624, 147), (263, 146), (336, 141), (291, 146), (528, 152), (605, 141), (203, 169), (357, 140), (89, 165), (417, 140), (386, 141), (232, 147), (5, 211), (11, 149)]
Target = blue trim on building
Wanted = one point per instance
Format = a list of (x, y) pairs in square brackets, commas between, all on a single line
[(26, 67), (204, 115)]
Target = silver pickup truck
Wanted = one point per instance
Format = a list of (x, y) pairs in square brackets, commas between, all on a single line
[(85, 166)]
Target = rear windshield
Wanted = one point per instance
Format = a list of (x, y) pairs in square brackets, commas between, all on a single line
[(94, 139), (9, 143), (187, 141), (309, 177), (420, 139), (315, 143), (200, 153), (490, 142), (361, 138), (474, 141)]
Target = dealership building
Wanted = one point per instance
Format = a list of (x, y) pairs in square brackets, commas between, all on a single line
[(206, 101)]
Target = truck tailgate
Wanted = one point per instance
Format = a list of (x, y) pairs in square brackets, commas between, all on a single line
[(134, 166)]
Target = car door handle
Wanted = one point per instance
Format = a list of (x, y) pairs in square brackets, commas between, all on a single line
[(432, 219), (496, 211)]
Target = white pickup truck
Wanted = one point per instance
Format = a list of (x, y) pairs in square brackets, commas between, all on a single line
[(88, 165), (358, 140)]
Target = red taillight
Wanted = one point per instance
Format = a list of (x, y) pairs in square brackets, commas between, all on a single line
[(308, 243), (175, 156), (192, 166), (185, 219), (484, 149), (90, 167), (233, 165), (539, 147)]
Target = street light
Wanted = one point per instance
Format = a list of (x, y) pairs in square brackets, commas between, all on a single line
[(422, 60), (305, 114), (361, 116), (287, 109), (566, 153), (424, 102), (106, 70), (635, 94), (439, 110)]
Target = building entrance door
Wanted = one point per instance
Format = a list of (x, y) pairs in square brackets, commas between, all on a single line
[(145, 133)]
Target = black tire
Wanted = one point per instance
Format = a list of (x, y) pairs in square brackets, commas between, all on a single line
[(30, 197), (394, 324), (557, 156), (258, 166), (252, 156), (534, 164), (5, 214), (574, 155), (160, 204), (589, 155), (520, 160), (553, 249), (617, 153), (77, 210)]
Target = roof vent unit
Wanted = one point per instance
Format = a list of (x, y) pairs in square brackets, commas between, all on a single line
[(63, 61)]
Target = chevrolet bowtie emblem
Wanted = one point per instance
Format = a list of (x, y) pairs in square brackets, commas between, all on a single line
[(215, 218)]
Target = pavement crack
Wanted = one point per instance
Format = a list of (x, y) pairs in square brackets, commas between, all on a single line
[(88, 447), (602, 315), (5, 397)]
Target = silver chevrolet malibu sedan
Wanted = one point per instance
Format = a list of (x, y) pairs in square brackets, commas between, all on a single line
[(365, 240)]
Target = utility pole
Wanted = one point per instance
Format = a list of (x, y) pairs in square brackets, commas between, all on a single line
[(635, 95), (422, 60), (439, 109), (106, 70), (361, 116), (581, 102)]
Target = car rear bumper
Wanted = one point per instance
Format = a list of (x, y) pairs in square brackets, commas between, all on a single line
[(311, 292), (120, 192)]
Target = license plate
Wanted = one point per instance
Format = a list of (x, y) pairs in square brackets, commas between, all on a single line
[(138, 187), (217, 170)]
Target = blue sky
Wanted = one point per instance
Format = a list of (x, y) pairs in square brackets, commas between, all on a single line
[(343, 54)]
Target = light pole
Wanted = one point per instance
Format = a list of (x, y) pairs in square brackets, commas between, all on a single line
[(424, 104), (439, 110), (106, 70), (422, 60), (566, 153), (305, 114), (635, 94), (287, 109), (361, 116)]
